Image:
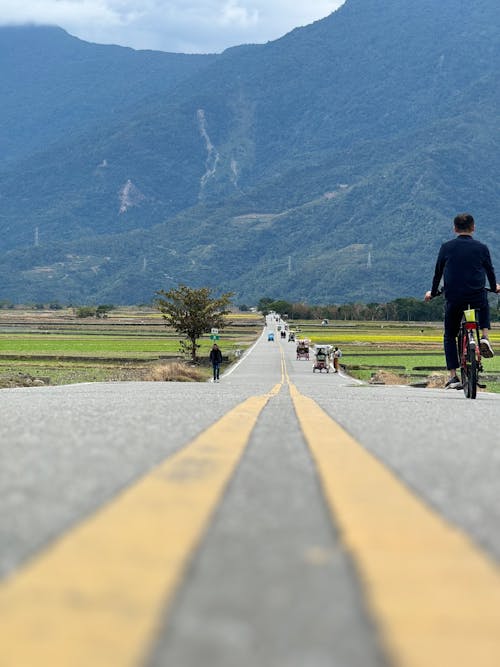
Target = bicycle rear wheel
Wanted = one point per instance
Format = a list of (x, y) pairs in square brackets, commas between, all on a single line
[(470, 373)]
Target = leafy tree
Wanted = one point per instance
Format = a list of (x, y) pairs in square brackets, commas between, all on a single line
[(193, 312), (85, 311), (264, 305), (301, 311), (281, 307), (103, 310)]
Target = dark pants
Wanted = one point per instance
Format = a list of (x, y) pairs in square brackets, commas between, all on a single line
[(453, 312), (216, 367)]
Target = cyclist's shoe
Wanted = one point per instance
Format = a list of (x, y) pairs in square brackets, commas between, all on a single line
[(453, 383), (486, 349)]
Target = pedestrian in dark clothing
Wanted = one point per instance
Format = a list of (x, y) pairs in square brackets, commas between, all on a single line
[(216, 360), (464, 264)]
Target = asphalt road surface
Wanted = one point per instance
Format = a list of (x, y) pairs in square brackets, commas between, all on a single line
[(279, 518)]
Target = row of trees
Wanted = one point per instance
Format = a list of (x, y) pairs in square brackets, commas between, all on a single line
[(193, 312), (54, 305), (99, 312), (403, 310)]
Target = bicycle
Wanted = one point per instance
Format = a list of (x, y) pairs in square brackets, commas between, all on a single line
[(469, 353)]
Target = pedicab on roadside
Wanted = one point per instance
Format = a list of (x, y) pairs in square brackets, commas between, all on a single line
[(322, 358)]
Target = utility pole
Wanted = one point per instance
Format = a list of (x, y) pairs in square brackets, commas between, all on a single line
[(289, 265), (37, 237)]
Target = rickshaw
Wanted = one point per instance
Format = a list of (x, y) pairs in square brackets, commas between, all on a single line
[(322, 358), (270, 336), (303, 348)]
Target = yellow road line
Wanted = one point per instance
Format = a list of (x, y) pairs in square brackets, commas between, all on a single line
[(435, 596), (94, 598)]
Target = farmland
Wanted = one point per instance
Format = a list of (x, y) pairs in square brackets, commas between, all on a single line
[(409, 353), (60, 348)]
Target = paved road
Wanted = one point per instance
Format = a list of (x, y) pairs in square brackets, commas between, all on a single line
[(279, 518)]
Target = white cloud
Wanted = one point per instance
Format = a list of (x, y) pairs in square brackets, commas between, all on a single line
[(233, 14), (170, 25), (57, 11)]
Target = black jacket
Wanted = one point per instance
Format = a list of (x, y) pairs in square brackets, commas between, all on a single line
[(215, 356), (465, 264)]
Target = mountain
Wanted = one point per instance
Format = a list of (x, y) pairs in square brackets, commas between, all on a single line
[(54, 84), (324, 166)]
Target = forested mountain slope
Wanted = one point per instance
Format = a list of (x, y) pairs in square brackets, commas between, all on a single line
[(326, 165)]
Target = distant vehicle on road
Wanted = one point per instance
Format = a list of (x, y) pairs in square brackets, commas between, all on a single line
[(303, 348), (322, 358)]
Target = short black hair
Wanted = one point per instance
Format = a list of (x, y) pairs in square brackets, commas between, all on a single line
[(464, 222)]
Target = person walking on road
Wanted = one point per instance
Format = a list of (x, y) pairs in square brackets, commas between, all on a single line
[(216, 360), (465, 264), (336, 356)]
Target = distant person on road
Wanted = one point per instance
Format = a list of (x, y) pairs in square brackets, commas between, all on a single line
[(337, 353), (465, 264), (216, 360)]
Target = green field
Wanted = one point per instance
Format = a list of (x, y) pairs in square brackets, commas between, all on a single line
[(125, 346), (411, 352)]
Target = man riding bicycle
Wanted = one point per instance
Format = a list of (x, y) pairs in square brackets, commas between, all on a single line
[(464, 263)]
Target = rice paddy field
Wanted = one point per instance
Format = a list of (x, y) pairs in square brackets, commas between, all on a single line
[(406, 353), (57, 347)]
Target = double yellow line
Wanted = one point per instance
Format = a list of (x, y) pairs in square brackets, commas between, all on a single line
[(93, 598), (434, 596)]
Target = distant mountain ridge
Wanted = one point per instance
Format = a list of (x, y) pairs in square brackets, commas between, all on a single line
[(326, 165)]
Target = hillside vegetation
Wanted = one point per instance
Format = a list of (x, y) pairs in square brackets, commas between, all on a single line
[(325, 166)]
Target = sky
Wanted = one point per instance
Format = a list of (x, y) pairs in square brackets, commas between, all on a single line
[(181, 26)]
